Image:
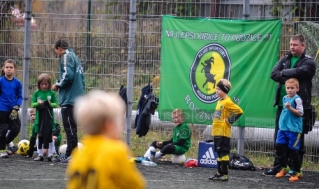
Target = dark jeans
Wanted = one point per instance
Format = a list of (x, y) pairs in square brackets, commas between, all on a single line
[(70, 128), (301, 151), (165, 149)]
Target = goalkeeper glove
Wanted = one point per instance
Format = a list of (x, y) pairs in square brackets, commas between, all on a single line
[(14, 113)]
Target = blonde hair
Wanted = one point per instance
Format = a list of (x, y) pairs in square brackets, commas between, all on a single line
[(293, 81), (32, 110), (178, 112), (226, 83), (97, 108)]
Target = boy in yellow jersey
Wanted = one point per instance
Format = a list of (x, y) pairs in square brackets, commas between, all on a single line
[(226, 113), (103, 162)]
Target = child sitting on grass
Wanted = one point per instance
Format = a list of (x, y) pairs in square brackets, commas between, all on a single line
[(178, 144), (103, 162)]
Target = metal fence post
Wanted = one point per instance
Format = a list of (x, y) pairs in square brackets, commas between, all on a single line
[(26, 60), (130, 69), (241, 130)]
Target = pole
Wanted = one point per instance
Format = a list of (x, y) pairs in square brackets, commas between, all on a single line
[(241, 130), (88, 32), (130, 65), (26, 61)]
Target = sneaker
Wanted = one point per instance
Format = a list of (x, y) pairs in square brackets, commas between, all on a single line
[(271, 172), (158, 156), (9, 151), (290, 173), (50, 158), (3, 153), (59, 158), (215, 176), (295, 177), (221, 178), (39, 158), (65, 159), (282, 172)]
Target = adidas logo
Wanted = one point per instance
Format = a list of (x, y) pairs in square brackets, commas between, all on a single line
[(209, 157)]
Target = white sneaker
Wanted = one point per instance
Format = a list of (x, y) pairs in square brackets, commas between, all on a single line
[(158, 156), (3, 154)]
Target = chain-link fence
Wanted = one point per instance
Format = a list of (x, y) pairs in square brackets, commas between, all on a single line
[(98, 32)]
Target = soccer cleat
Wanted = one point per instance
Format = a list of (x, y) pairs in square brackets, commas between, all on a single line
[(65, 159), (158, 156), (221, 178), (3, 154), (215, 176), (39, 158), (290, 173), (282, 172), (271, 172), (295, 177), (50, 158)]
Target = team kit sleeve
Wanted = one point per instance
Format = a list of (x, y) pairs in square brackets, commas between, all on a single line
[(53, 101), (34, 102), (234, 110), (19, 95), (67, 68)]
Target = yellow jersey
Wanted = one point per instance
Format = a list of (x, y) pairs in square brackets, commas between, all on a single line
[(103, 163), (225, 108)]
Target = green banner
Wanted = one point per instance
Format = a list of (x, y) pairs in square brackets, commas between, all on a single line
[(197, 53)]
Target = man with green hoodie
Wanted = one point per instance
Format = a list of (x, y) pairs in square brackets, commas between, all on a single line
[(70, 85)]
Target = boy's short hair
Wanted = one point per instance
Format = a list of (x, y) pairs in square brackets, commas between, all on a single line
[(179, 112), (226, 82), (11, 61), (62, 43), (44, 77), (96, 108), (32, 111), (293, 81)]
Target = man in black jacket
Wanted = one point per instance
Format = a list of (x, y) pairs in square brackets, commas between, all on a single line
[(296, 64)]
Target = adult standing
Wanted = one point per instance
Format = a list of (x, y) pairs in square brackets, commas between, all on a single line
[(70, 85), (296, 64)]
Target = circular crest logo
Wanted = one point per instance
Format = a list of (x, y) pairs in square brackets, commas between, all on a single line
[(211, 64)]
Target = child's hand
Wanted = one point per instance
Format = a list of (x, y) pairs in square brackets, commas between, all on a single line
[(288, 105), (54, 138), (159, 144)]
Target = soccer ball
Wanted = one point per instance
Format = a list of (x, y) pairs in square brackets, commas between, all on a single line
[(178, 159), (62, 148), (23, 147)]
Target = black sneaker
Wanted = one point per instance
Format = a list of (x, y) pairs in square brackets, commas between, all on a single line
[(221, 178), (50, 158), (271, 172), (213, 177)]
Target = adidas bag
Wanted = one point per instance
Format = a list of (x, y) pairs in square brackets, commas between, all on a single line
[(237, 161)]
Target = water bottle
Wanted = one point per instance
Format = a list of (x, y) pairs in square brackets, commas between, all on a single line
[(148, 163)]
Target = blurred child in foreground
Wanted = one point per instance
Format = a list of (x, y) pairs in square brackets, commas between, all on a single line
[(103, 162), (226, 113)]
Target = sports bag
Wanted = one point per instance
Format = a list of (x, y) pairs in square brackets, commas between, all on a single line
[(240, 162)]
